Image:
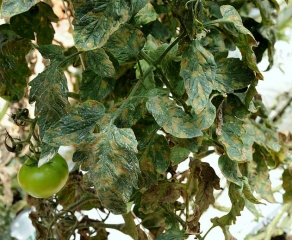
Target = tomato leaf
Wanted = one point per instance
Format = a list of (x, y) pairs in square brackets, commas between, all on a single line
[(208, 181), (146, 15), (198, 70), (114, 172), (37, 20), (229, 71), (12, 8), (178, 154), (244, 39), (238, 202), (14, 70), (233, 135), (230, 170), (125, 44), (94, 86), (95, 21), (170, 117), (104, 68), (77, 126)]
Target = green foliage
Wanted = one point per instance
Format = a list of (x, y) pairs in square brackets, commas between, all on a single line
[(154, 85)]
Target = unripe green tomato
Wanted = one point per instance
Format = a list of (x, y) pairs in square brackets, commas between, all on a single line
[(45, 181)]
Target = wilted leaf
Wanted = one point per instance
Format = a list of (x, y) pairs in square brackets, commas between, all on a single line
[(243, 37), (125, 43), (248, 192), (262, 178), (230, 170), (193, 225), (114, 172), (208, 181), (198, 70), (10, 8), (13, 67), (95, 21), (170, 117), (76, 127), (146, 15), (232, 74), (237, 200), (163, 193)]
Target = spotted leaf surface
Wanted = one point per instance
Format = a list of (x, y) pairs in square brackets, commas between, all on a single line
[(198, 70), (244, 39), (230, 170), (95, 21), (232, 74), (170, 117), (233, 135), (126, 43), (76, 127), (114, 171), (11, 8)]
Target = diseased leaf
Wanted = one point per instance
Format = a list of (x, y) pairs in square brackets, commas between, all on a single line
[(98, 61), (230, 170), (163, 193), (134, 112), (13, 67), (95, 87), (208, 181), (248, 193), (126, 43), (146, 15), (49, 91), (37, 20), (198, 70), (95, 21), (244, 39), (232, 74), (261, 178), (114, 171), (205, 118), (263, 135), (237, 201), (178, 154), (234, 137), (10, 8), (287, 186), (76, 127), (170, 117), (137, 5)]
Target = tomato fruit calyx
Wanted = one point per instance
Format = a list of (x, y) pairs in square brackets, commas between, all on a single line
[(44, 181)]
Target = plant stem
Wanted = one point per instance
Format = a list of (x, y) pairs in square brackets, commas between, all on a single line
[(181, 36), (132, 93)]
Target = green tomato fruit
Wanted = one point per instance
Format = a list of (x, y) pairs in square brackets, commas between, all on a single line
[(45, 181)]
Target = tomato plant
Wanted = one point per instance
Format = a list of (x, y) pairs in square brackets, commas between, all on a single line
[(137, 89), (44, 181)]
